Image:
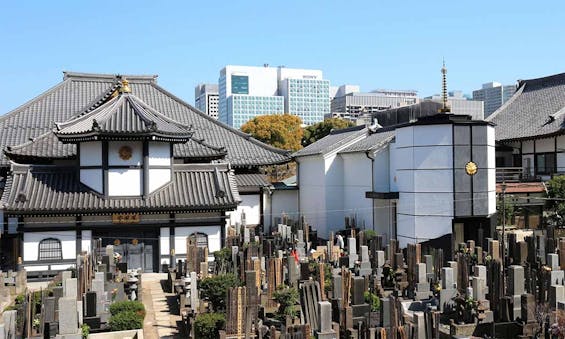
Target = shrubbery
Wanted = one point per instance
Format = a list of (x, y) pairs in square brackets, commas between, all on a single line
[(126, 315), (215, 289), (208, 325), (128, 305), (127, 320)]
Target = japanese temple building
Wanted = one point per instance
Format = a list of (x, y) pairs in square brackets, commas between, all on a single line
[(105, 159)]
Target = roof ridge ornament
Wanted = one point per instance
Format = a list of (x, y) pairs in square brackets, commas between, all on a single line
[(125, 86)]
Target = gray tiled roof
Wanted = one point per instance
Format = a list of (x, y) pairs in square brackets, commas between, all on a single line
[(54, 189), (252, 180), (372, 142), (536, 109), (48, 145), (333, 141), (123, 115), (79, 93)]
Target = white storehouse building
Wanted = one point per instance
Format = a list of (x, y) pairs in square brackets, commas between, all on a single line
[(416, 182)]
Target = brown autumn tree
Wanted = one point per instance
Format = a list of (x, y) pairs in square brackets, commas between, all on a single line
[(278, 130)]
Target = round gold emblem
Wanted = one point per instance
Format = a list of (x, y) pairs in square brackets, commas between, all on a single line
[(471, 168), (125, 152)]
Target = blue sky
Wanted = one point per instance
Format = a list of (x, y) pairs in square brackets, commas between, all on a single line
[(375, 44)]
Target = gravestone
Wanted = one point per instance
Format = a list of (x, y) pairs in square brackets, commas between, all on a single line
[(68, 316), (352, 250), (557, 277), (528, 303), (553, 261), (90, 301), (194, 300), (70, 288), (97, 286), (515, 280), (556, 295), (49, 309), (478, 285), (9, 318)]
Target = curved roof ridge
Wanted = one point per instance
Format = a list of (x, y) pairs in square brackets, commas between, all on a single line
[(221, 124), (546, 81), (347, 129), (506, 104), (106, 76)]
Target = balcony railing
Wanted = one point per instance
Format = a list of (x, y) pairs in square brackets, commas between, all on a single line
[(513, 174)]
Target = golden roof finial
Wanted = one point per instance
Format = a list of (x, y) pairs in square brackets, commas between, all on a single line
[(125, 86), (445, 107)]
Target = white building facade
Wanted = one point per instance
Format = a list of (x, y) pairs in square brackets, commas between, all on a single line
[(246, 92), (417, 182)]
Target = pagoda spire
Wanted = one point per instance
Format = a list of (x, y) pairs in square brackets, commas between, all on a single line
[(445, 108)]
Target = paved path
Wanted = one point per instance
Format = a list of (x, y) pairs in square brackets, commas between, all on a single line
[(162, 310)]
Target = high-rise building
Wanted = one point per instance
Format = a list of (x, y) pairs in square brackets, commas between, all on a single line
[(493, 95), (206, 99), (246, 92), (350, 102)]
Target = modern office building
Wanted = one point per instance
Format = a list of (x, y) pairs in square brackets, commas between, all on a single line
[(246, 92), (206, 99), (349, 101), (493, 95), (460, 104)]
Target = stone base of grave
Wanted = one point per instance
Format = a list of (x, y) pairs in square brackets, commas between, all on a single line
[(69, 336), (327, 335)]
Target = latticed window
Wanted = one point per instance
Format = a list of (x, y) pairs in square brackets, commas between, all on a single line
[(50, 249), (200, 239)]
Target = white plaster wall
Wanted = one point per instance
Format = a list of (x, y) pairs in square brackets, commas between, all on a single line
[(86, 241), (393, 165), (32, 239), (430, 227), (92, 178), (284, 201), (124, 182), (545, 145), (528, 146), (91, 153), (383, 217), (357, 180), (382, 171), (335, 211), (159, 154), (491, 158), (158, 178), (312, 192), (424, 162), (250, 204), (182, 233), (164, 242), (114, 153)]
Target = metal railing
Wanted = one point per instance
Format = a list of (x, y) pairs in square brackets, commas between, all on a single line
[(512, 174)]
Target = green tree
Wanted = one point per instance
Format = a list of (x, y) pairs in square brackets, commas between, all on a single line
[(215, 289), (222, 258), (318, 131), (279, 130), (287, 297), (506, 210), (556, 202), (208, 325)]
